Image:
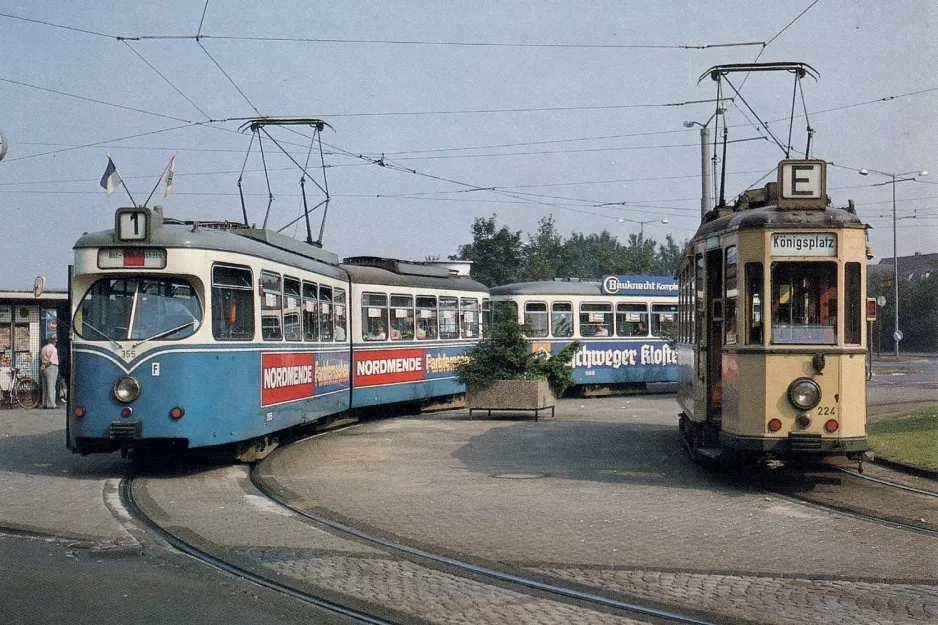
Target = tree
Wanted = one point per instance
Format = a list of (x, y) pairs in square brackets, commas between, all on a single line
[(592, 255), (544, 252), (496, 253), (499, 257), (505, 354), (668, 257), (918, 308)]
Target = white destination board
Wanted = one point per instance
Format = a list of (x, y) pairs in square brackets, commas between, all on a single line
[(802, 180), (804, 244)]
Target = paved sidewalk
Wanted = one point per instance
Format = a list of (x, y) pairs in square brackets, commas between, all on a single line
[(47, 490)]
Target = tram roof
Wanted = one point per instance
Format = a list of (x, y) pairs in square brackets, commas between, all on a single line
[(770, 216), (549, 287), (379, 273), (263, 244)]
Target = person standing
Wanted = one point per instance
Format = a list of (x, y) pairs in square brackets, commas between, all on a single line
[(49, 365)]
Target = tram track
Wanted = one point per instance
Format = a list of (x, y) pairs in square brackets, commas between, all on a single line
[(467, 568), (188, 548), (877, 499), (862, 476), (443, 574)]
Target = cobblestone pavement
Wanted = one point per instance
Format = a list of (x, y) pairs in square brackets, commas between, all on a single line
[(604, 497), (776, 601), (220, 509)]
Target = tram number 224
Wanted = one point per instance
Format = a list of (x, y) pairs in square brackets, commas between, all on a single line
[(826, 411)]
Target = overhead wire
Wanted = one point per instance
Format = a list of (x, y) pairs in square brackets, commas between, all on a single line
[(787, 26), (202, 21), (574, 151), (101, 143), (544, 109), (63, 27), (483, 44), (94, 100), (200, 36), (230, 79), (167, 80)]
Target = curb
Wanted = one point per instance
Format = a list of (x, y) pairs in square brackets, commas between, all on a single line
[(906, 468)]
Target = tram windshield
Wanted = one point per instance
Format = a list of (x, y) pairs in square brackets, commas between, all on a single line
[(804, 303), (138, 308)]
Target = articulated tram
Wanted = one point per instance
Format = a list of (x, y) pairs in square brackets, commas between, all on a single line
[(772, 342), (196, 335)]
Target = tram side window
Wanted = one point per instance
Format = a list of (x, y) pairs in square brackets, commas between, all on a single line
[(486, 315), (292, 330), (341, 318), (535, 316), (232, 303), (698, 310), (631, 320), (374, 316), (596, 319), (754, 299), (804, 303), (730, 296), (426, 318), (853, 308), (310, 312), (561, 319), (271, 298), (664, 321), (469, 317), (449, 324), (505, 310), (325, 313), (402, 317), (681, 306)]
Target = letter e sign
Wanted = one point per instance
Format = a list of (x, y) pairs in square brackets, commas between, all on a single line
[(802, 184)]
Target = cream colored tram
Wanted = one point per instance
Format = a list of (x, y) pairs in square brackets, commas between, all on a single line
[(772, 339)]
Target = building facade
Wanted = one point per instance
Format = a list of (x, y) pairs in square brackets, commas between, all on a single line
[(26, 322)]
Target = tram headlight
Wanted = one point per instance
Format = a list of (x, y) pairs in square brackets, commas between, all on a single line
[(127, 389), (804, 393)]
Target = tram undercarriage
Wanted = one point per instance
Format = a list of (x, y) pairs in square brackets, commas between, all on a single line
[(708, 445)]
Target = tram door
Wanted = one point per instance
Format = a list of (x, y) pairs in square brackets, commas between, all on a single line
[(715, 335)]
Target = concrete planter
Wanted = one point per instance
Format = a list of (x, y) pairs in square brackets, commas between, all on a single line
[(532, 395)]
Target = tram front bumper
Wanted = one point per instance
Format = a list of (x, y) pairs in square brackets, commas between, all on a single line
[(795, 444)]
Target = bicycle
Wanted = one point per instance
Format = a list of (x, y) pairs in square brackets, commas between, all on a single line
[(20, 389)]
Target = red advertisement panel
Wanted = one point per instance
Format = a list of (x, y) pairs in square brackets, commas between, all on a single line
[(388, 366), (286, 377)]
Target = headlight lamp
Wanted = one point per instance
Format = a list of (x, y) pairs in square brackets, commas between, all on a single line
[(804, 393), (126, 389)]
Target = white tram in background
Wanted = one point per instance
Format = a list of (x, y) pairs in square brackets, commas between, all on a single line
[(196, 335), (772, 343), (626, 325)]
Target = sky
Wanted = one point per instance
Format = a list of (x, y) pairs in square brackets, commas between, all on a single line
[(440, 113)]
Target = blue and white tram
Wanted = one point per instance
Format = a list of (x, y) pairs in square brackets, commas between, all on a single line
[(626, 325), (413, 325), (194, 335)]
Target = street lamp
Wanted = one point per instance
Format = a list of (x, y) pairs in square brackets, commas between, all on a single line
[(897, 335), (641, 223), (705, 204)]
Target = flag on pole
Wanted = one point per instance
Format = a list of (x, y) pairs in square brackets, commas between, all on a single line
[(170, 172), (111, 177)]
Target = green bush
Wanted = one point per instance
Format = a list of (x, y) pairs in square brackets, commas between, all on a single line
[(505, 354)]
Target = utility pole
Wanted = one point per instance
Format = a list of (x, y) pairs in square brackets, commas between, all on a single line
[(704, 173)]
